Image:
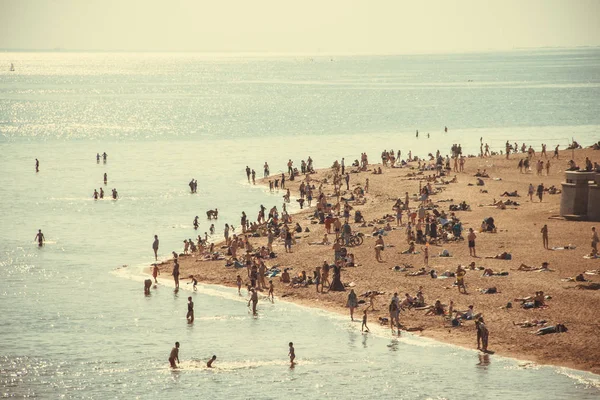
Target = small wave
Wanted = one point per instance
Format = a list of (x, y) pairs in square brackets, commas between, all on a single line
[(587, 381)]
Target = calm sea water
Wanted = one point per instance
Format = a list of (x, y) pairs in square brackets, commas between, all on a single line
[(75, 323)]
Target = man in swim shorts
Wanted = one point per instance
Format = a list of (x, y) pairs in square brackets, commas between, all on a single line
[(471, 238), (190, 313), (174, 355), (155, 247), (40, 238)]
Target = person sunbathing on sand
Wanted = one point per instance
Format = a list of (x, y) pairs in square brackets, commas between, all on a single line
[(536, 301), (531, 324), (510, 194), (490, 272), (420, 272), (501, 256), (527, 268), (578, 278), (558, 328)]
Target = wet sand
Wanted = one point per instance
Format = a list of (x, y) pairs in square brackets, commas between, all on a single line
[(518, 233)]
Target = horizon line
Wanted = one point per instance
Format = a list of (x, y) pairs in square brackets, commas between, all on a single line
[(319, 53)]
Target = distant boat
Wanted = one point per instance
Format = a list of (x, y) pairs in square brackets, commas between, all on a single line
[(12, 67)]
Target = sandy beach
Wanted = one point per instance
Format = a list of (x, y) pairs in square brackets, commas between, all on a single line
[(518, 232)]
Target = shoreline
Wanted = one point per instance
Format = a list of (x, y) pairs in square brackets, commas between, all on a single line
[(577, 349), (376, 329)]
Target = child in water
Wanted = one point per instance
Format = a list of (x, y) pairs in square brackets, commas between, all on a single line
[(271, 288), (194, 282), (364, 322), (239, 284)]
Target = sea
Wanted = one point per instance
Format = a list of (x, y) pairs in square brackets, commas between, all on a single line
[(75, 323)]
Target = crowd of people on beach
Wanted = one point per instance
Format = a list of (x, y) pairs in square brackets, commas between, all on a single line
[(425, 224), (336, 206)]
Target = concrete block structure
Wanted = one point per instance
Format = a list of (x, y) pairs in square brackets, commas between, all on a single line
[(581, 196)]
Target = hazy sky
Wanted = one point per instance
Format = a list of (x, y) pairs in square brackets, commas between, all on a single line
[(336, 26)]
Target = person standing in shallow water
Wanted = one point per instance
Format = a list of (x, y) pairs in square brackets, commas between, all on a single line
[(253, 300), (40, 238), (155, 247), (292, 354), (105, 178), (190, 313), (37, 165), (176, 274), (174, 356), (352, 303)]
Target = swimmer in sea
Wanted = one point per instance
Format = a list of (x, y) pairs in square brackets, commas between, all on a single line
[(40, 238), (292, 354), (190, 313), (174, 356), (210, 362), (155, 247)]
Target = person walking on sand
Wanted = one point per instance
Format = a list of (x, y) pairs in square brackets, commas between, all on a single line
[(352, 303), (471, 239), (364, 322), (190, 313), (482, 335), (155, 247), (292, 354), (531, 191), (174, 355), (595, 239), (426, 254), (544, 232), (253, 300), (37, 165), (175, 274), (379, 246), (540, 191), (155, 272)]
